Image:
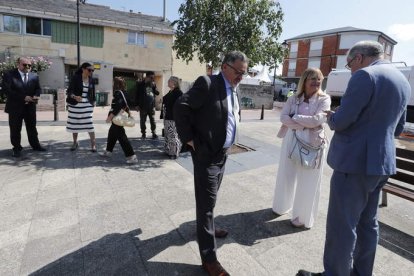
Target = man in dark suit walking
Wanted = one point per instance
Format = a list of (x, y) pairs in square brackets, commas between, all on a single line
[(362, 155), (206, 118), (22, 89), (146, 93)]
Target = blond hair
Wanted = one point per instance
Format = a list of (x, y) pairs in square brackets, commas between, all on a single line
[(309, 73)]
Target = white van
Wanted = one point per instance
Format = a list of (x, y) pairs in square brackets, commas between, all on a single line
[(338, 81)]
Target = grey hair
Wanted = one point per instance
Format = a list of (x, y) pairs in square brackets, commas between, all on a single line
[(369, 48), (232, 56), (176, 81)]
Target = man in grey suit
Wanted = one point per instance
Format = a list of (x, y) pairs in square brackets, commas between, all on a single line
[(362, 155)]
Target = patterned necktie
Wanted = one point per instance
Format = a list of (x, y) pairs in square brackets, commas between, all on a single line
[(25, 78)]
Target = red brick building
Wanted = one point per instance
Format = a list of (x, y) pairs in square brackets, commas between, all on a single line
[(327, 50)]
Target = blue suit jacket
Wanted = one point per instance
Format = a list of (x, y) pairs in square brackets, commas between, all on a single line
[(373, 105)]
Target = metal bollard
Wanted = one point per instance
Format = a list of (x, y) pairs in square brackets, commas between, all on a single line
[(262, 114), (55, 108)]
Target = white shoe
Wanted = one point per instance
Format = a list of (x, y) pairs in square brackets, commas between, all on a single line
[(296, 223), (106, 154), (132, 159)]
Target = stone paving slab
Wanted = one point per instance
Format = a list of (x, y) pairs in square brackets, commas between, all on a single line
[(74, 213)]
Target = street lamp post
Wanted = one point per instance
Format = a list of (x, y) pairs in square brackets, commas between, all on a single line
[(78, 27)]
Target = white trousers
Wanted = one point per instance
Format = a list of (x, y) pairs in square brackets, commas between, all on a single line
[(297, 189)]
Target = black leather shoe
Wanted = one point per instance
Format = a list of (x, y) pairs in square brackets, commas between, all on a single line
[(154, 136), (39, 148), (307, 273)]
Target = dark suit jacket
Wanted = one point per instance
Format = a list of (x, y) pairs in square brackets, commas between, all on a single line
[(201, 115), (76, 88), (16, 91)]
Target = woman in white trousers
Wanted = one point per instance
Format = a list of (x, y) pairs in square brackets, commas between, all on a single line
[(298, 188)]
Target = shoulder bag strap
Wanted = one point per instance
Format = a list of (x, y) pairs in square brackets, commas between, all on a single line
[(126, 103)]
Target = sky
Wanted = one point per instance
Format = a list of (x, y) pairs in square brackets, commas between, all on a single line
[(394, 18)]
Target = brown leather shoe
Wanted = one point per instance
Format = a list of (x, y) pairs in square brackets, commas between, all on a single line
[(220, 233), (214, 269)]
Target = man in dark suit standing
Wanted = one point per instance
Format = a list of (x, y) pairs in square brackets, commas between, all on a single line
[(22, 89), (146, 92), (206, 118), (362, 155)]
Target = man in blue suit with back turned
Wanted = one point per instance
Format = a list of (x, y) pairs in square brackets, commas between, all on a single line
[(362, 155)]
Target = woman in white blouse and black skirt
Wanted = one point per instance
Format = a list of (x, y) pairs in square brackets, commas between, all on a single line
[(81, 100)]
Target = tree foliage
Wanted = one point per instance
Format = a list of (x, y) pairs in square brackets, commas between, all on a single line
[(214, 27)]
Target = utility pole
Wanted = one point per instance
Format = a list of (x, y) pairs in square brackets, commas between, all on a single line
[(78, 27)]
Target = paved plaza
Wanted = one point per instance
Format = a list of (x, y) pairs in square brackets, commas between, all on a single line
[(74, 213)]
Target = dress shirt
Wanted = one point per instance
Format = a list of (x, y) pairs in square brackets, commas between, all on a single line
[(232, 114)]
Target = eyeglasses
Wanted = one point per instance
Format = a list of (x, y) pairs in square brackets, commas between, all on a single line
[(348, 65), (26, 65), (239, 73), (90, 70)]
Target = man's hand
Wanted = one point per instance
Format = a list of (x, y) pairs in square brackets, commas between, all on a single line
[(328, 113), (191, 144), (28, 99)]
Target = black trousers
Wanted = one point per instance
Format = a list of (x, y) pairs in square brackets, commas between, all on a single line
[(15, 123), (207, 181), (117, 133), (143, 119)]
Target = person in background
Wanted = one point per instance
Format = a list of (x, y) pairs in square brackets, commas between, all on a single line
[(362, 155), (207, 118), (298, 188), (81, 101), (117, 133), (172, 146), (146, 92), (22, 90)]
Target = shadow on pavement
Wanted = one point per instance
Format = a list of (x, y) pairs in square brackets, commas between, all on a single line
[(126, 254), (396, 241), (149, 152)]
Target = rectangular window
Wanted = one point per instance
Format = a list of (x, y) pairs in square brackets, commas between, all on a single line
[(33, 25), (12, 23), (38, 26), (137, 38), (47, 27)]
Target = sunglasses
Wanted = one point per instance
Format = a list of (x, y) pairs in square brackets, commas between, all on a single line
[(26, 65), (91, 70)]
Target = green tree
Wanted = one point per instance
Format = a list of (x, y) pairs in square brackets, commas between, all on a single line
[(214, 27)]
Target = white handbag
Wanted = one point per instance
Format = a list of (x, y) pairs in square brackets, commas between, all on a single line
[(304, 154), (123, 118)]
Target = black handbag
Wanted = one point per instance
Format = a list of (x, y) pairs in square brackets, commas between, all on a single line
[(71, 101)]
